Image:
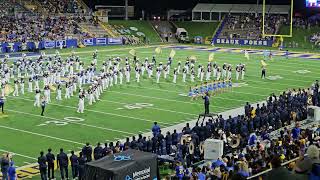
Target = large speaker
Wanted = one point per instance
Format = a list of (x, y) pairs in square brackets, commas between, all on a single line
[(314, 113), (213, 149)]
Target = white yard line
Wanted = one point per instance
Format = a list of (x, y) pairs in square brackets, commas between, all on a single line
[(82, 124), (170, 91), (106, 113), (166, 110), (158, 98), (42, 135), (17, 154)]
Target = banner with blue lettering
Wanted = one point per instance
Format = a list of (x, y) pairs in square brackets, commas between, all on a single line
[(69, 43), (243, 42), (114, 41), (60, 43), (88, 42), (49, 44), (101, 41)]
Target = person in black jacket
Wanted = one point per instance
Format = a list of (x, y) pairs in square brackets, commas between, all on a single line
[(87, 152), (62, 163), (97, 152), (82, 161), (74, 164), (50, 159), (42, 161)]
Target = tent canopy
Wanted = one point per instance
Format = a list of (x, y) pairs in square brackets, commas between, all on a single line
[(130, 164)]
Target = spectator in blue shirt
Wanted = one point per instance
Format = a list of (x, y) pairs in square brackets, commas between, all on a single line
[(296, 131), (12, 172), (202, 174), (155, 129)]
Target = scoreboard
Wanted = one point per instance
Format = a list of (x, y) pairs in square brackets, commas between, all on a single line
[(313, 3)]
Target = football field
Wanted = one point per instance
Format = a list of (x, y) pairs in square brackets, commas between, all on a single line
[(129, 109)]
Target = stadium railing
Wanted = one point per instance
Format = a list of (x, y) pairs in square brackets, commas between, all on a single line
[(268, 170)]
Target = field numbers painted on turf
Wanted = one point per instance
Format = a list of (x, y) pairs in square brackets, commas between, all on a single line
[(63, 122), (136, 106), (183, 94), (239, 84), (302, 71), (273, 78)]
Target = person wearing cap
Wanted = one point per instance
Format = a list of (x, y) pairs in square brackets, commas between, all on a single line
[(1, 103), (12, 174)]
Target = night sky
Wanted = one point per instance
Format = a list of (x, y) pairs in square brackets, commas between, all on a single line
[(160, 6)]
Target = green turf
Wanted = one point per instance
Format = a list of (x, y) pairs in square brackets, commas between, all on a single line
[(204, 29), (142, 26), (109, 120)]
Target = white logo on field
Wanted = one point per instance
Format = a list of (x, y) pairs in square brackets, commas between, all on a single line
[(239, 84), (183, 94), (273, 78), (136, 106), (302, 71), (63, 122)]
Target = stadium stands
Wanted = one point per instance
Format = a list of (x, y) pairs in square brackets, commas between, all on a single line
[(249, 26), (35, 28)]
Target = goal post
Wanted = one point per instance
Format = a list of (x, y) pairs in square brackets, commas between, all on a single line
[(276, 35)]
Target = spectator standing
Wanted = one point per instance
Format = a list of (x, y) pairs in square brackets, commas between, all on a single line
[(50, 159), (42, 161), (155, 129), (5, 166), (97, 152), (74, 164), (62, 164), (2, 104), (12, 174), (82, 161), (87, 152)]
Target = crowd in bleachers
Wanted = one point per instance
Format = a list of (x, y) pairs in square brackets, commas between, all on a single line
[(315, 38), (61, 6), (248, 26), (37, 28)]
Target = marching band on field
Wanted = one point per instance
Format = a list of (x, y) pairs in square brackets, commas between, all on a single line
[(71, 75)]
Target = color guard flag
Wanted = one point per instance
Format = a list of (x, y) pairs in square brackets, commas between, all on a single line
[(193, 58), (263, 63), (132, 52), (211, 57), (158, 50), (172, 53)]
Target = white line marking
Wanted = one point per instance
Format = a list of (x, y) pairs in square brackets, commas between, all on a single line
[(17, 154), (111, 114), (42, 135), (171, 100), (148, 107), (177, 92), (88, 125)]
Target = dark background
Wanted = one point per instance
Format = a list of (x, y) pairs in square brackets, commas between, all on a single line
[(159, 7)]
